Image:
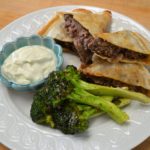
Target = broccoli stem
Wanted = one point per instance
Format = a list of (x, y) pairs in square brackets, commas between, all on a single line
[(91, 112), (110, 91), (83, 97), (122, 102)]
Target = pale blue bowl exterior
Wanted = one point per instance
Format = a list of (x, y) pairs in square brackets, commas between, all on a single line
[(8, 48)]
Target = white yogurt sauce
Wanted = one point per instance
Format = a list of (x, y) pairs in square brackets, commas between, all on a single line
[(29, 64)]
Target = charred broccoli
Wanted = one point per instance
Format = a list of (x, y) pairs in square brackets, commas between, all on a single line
[(40, 112), (62, 85), (67, 103), (69, 119), (73, 118)]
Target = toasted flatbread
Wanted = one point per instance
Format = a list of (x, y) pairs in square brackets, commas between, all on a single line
[(130, 75), (124, 46), (94, 22)]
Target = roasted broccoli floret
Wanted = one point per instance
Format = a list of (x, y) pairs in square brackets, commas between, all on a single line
[(62, 85), (69, 119), (40, 112)]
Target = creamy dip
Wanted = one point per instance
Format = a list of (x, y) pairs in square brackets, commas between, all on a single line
[(29, 64)]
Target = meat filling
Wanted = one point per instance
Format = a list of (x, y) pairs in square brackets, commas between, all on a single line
[(86, 44), (114, 83), (106, 49), (81, 38)]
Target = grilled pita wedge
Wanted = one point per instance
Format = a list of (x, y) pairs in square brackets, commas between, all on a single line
[(94, 22), (134, 76), (123, 46)]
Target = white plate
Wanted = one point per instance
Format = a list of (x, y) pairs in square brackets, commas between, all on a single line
[(18, 131)]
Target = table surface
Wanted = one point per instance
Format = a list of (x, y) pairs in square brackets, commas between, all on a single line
[(138, 10)]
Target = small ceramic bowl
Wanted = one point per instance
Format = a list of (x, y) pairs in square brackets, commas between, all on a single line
[(10, 47)]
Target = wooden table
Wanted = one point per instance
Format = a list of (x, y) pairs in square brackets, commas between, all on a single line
[(138, 10)]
